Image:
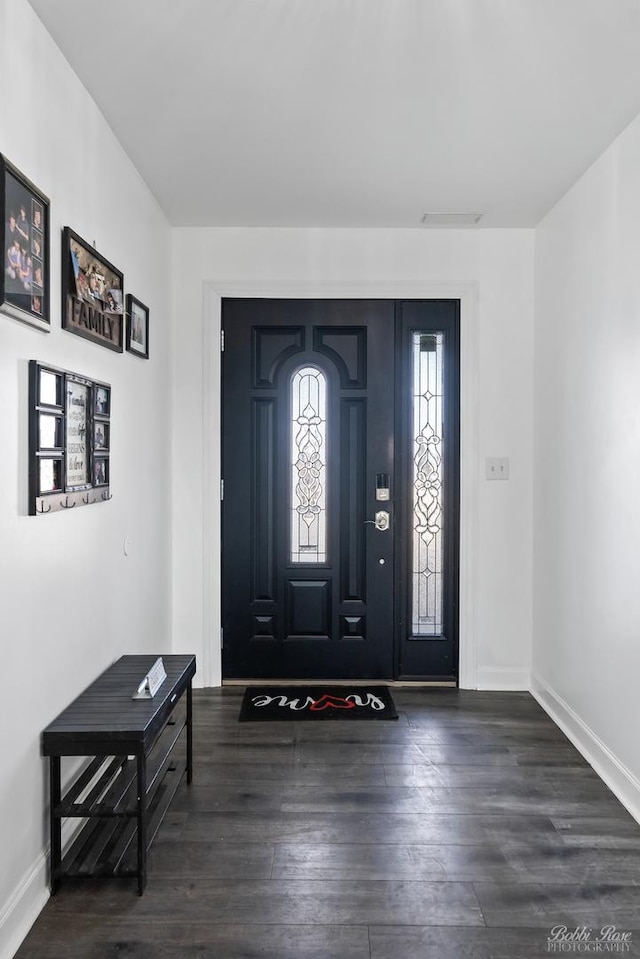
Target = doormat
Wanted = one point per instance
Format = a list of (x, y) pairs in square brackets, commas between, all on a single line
[(316, 702)]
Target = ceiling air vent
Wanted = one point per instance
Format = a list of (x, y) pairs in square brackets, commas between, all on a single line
[(451, 219)]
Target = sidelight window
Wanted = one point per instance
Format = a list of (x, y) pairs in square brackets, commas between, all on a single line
[(427, 534), (308, 466)]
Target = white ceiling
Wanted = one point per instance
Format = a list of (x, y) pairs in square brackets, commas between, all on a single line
[(356, 112)]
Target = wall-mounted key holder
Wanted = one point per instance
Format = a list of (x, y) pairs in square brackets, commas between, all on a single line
[(69, 440)]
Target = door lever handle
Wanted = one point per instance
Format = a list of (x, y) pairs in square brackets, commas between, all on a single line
[(381, 522)]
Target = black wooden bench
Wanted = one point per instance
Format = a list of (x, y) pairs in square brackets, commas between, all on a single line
[(140, 748)]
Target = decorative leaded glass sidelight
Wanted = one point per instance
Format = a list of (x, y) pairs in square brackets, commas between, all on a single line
[(308, 466), (427, 534)]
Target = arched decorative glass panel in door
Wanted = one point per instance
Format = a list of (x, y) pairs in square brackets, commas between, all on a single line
[(308, 466)]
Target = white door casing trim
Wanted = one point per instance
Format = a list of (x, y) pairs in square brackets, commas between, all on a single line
[(213, 292)]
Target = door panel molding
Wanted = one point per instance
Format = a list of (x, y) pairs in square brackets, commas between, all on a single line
[(467, 294), (270, 348), (353, 427), (263, 548), (348, 350), (308, 609)]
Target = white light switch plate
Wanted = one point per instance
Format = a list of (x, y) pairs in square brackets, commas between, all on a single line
[(497, 467)]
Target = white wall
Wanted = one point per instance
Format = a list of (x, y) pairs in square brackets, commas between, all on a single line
[(587, 464), (494, 271), (70, 602)]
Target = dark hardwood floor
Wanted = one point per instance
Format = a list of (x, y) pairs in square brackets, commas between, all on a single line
[(468, 828)]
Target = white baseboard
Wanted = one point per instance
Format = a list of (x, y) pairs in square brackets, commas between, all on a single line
[(31, 896), (503, 679), (620, 780), (23, 908)]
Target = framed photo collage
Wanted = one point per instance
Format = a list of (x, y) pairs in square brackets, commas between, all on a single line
[(69, 413)]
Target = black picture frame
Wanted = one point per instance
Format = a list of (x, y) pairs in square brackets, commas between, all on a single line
[(92, 293), (69, 439), (101, 436), (137, 327), (24, 222), (102, 399)]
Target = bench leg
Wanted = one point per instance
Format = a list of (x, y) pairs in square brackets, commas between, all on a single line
[(142, 821), (189, 733), (55, 822)]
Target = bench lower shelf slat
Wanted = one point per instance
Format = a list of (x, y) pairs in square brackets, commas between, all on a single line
[(106, 847)]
